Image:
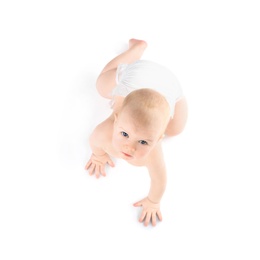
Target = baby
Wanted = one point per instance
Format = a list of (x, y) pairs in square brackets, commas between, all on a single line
[(147, 104)]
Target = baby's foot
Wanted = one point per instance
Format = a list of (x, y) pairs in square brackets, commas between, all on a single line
[(137, 43)]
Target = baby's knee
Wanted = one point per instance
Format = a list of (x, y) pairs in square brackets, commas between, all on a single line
[(100, 87), (105, 83), (170, 132)]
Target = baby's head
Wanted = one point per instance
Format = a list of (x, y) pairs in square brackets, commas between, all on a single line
[(147, 108), (140, 123)]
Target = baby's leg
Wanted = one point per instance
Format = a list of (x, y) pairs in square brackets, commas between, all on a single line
[(178, 122), (107, 78)]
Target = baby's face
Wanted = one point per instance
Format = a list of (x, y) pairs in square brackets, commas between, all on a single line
[(133, 141)]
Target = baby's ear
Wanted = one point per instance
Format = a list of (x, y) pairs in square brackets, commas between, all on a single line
[(115, 117)]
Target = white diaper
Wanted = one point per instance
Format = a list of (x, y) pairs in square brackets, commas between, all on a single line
[(147, 74)]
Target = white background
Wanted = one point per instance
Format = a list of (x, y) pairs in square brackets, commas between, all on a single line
[(50, 55)]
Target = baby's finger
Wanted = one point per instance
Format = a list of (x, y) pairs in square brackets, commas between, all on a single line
[(142, 217), (91, 169), (147, 218), (111, 163), (97, 171), (138, 204), (154, 219), (88, 164), (102, 170), (159, 214)]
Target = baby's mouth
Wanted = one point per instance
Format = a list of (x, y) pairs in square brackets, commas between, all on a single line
[(127, 155)]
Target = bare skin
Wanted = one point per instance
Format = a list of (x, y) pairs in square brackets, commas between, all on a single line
[(117, 137), (130, 149)]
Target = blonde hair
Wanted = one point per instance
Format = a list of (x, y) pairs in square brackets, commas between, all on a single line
[(146, 106)]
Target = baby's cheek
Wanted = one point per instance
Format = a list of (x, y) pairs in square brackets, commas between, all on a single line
[(143, 152), (116, 142)]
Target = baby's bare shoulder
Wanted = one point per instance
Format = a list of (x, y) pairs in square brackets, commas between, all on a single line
[(103, 131)]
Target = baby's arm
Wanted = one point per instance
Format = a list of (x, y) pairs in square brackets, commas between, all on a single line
[(99, 158), (151, 204)]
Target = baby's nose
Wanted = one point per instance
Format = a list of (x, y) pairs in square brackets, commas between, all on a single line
[(131, 147)]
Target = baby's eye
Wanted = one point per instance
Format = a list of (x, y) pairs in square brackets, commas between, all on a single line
[(124, 134), (143, 142)]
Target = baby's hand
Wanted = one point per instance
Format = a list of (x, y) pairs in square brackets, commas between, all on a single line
[(96, 164), (150, 211)]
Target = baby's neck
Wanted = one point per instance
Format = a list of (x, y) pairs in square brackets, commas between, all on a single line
[(118, 101)]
